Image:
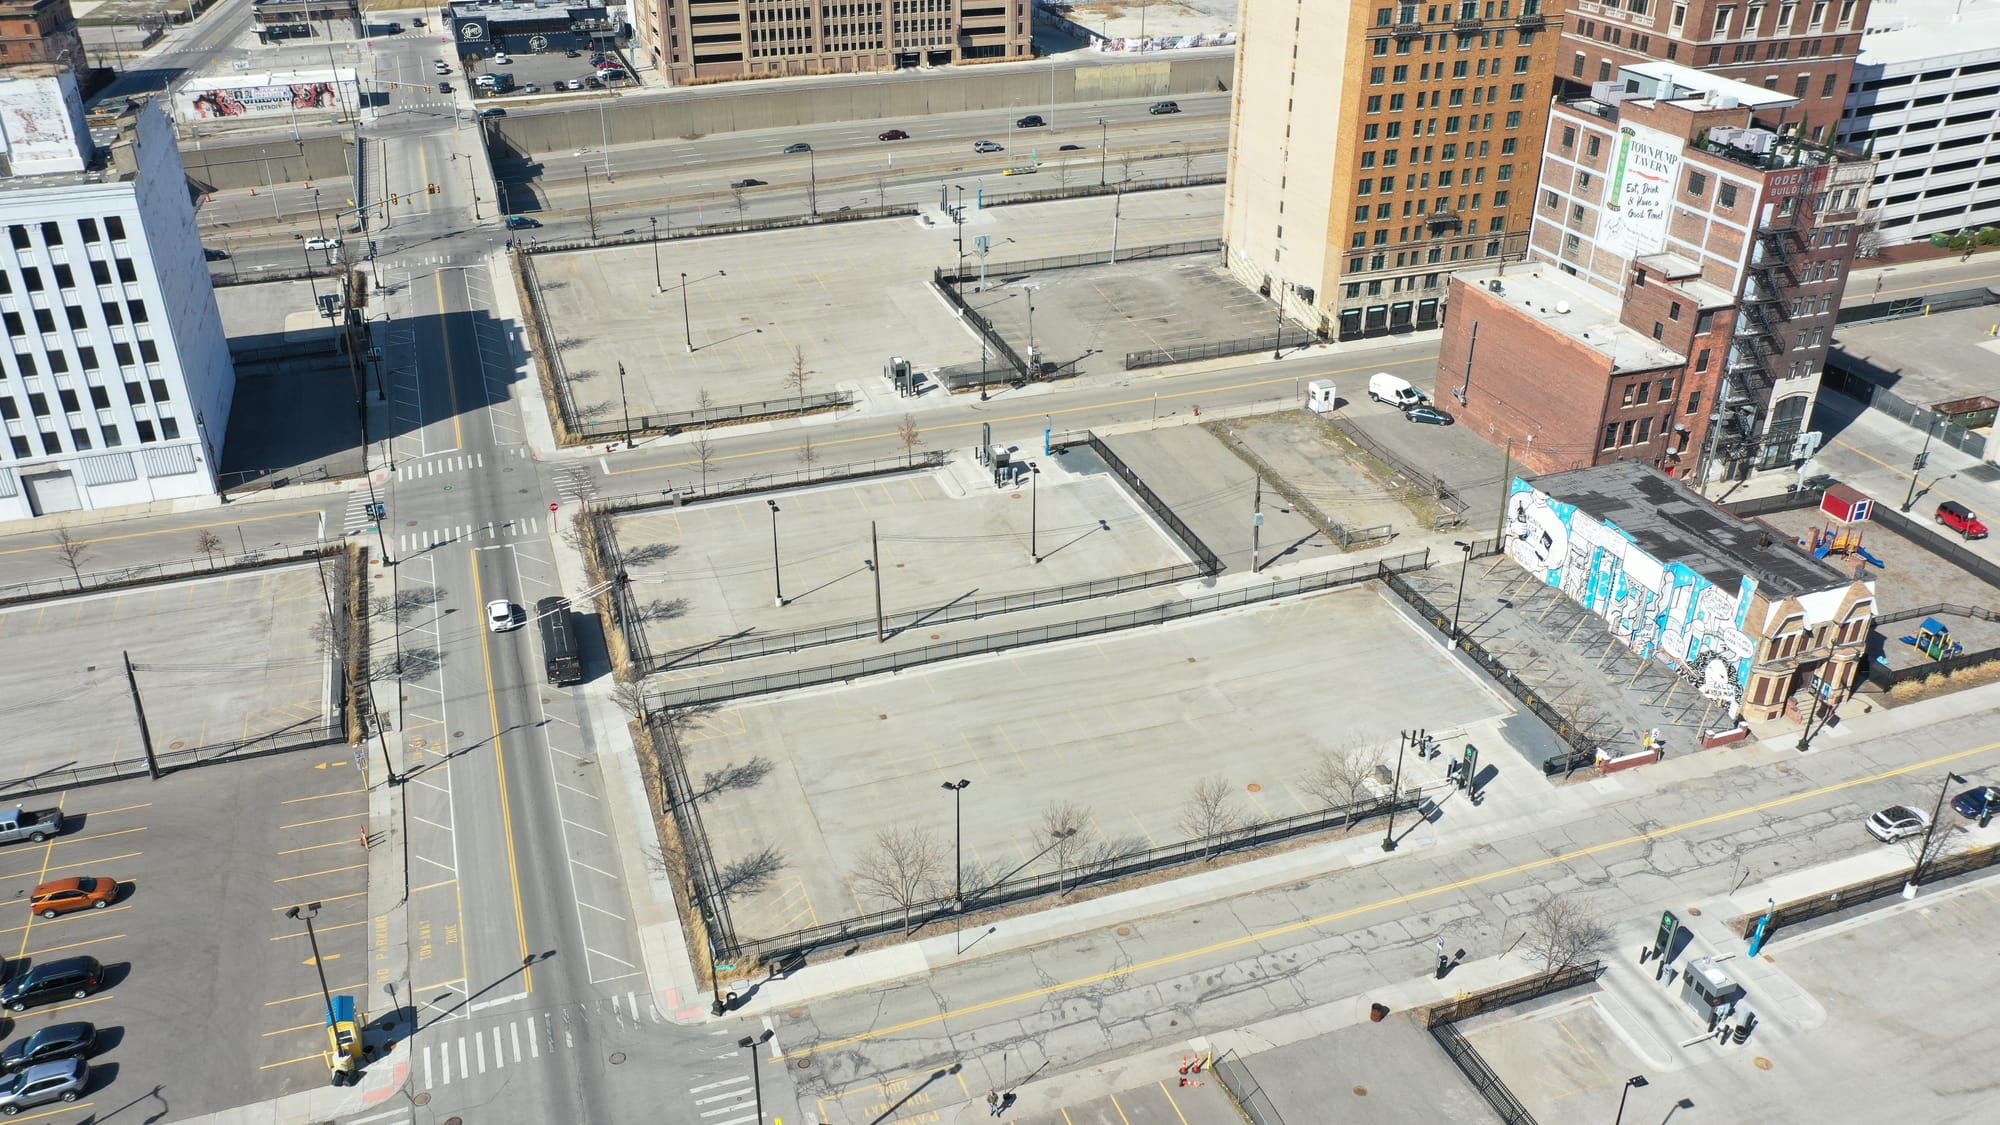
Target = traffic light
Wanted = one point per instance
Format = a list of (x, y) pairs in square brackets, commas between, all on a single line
[(432, 189), (395, 198)]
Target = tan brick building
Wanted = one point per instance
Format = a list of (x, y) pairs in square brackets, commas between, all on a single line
[(693, 40), (1376, 147), (1684, 272)]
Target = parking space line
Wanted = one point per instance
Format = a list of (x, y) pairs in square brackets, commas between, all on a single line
[(62, 841), (317, 847), (326, 871), (297, 1027), (311, 823), (1166, 1090), (322, 901), (324, 796), (436, 885), (294, 1061), (119, 809), (315, 997), (322, 929), (74, 1004), (93, 862), (70, 945), (600, 910)]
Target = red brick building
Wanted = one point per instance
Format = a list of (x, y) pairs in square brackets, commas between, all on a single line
[(1684, 271), (1802, 48), (41, 31)]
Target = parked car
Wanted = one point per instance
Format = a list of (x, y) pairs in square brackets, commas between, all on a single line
[(1386, 388), (988, 146), (62, 1080), (530, 88), (211, 254), (893, 135), (74, 977), (614, 74), (747, 181), (321, 243), (30, 824), (569, 84), (500, 614), (1961, 519), (1032, 121), (496, 111), (1896, 822), (1975, 803), (594, 82), (795, 149), (1164, 107), (77, 892), (1428, 415), (56, 1041), (522, 222), (502, 59)]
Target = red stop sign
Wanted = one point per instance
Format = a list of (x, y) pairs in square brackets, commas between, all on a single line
[(553, 507)]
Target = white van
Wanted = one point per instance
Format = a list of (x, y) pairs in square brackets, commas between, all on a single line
[(1384, 387)]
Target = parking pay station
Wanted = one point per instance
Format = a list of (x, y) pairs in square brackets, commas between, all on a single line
[(1708, 989)]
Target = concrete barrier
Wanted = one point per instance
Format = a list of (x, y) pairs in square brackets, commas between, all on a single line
[(222, 164)]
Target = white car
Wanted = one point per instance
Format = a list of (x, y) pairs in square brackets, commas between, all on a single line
[(500, 614), (317, 243), (502, 59), (530, 88), (1896, 822), (441, 66)]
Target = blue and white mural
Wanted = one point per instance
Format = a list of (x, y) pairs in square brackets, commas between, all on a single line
[(1660, 610)]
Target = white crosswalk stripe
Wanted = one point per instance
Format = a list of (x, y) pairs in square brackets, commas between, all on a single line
[(447, 1055), (529, 527), (355, 520)]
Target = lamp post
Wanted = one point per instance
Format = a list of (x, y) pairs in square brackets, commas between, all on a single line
[(756, 1076), (590, 204), (687, 326), (1923, 849), (957, 842), (777, 576), (1457, 601), (653, 224), (958, 222), (1812, 713), (297, 914), (1278, 340), (1034, 515), (1102, 152), (627, 404), (812, 181), (1631, 1084), (1395, 790), (1918, 462), (875, 568)]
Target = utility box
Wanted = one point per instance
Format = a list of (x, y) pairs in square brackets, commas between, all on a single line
[(1708, 989), (1320, 398)]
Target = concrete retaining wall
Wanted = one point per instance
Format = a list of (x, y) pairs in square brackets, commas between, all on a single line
[(893, 99), (220, 165)]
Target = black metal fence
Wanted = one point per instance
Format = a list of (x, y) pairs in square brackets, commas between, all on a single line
[(1347, 537), (1080, 191), (38, 589), (679, 421), (766, 482), (724, 650), (1095, 870), (1193, 351), (706, 891), (1095, 258), (706, 694), (709, 230), (1869, 890), (1431, 484), (948, 285), (1208, 559), (1582, 748), (1244, 1089), (1870, 382), (1438, 1020), (320, 730), (1899, 308)]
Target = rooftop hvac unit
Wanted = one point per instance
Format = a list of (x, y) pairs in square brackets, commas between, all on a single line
[(1727, 101), (1725, 134), (1495, 286), (1562, 307), (1758, 141)]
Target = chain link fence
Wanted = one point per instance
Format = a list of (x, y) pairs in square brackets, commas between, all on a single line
[(680, 421), (141, 574), (1290, 337)]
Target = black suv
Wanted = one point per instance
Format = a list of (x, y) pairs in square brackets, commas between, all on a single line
[(75, 977)]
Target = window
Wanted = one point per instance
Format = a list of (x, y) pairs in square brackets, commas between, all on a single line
[(65, 279), (1799, 85), (1500, 199), (1645, 430), (1658, 329), (1569, 137), (1666, 388), (1583, 181), (89, 229), (1395, 103), (1361, 213), (1611, 436), (1506, 146), (20, 236), (1371, 132), (1377, 76), (171, 430), (100, 272), (86, 355), (69, 402), (138, 312), (75, 316), (1674, 310), (1548, 201), (100, 398), (1701, 360), (31, 278), (125, 270), (114, 226), (135, 394), (1697, 184), (150, 353), (1625, 435), (123, 351), (1402, 74), (26, 361), (45, 320), (1725, 195), (146, 431), (1826, 88), (15, 327)]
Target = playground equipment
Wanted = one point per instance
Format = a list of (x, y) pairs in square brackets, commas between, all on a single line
[(1933, 639), (1842, 542)]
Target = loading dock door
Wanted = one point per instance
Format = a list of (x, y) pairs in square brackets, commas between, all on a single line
[(52, 492)]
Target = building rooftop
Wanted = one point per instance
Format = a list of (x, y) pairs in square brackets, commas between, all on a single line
[(1584, 314), (1660, 80), (1926, 31), (1675, 525), (526, 10)]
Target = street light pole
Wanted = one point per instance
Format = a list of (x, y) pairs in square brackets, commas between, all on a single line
[(296, 914), (687, 326), (957, 842), (1395, 791), (756, 1075), (654, 225), (590, 204), (627, 404), (1102, 152), (812, 182), (1812, 713), (1034, 515), (777, 576), (1457, 601), (1918, 462), (875, 567), (1923, 849), (1631, 1083)]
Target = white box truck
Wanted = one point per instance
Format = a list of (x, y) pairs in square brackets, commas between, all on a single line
[(1384, 387)]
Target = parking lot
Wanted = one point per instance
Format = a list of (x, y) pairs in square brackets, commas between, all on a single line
[(197, 942), (217, 661), (1247, 696), (543, 70)]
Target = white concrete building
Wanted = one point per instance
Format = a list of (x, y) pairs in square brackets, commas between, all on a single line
[(116, 381), (1926, 100)]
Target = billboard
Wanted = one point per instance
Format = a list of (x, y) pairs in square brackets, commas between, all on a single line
[(1642, 186), (254, 101)]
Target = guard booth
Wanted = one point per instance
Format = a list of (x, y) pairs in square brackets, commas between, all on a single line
[(343, 1040), (1320, 398), (1708, 989)]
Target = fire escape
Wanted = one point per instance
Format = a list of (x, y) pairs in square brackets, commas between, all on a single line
[(1758, 347)]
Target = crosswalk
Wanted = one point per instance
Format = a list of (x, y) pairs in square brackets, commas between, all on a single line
[(424, 539), (732, 1097), (437, 466), (574, 483)]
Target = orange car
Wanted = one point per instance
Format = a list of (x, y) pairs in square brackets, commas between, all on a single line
[(62, 896)]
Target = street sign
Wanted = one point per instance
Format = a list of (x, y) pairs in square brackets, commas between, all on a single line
[(553, 507)]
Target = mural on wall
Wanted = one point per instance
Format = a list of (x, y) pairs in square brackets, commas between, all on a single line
[(1659, 609)]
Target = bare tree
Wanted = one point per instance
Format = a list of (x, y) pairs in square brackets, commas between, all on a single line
[(1339, 778), (329, 634), (1125, 162), (72, 552), (808, 456), (910, 436), (798, 375), (704, 452), (1063, 173), (1065, 823), (736, 193), (630, 696), (1562, 933), (1210, 810), (905, 865), (208, 543), (1187, 163)]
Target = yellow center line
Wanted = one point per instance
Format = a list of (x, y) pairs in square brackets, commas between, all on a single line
[(1397, 900), (506, 806), (1053, 412), (1937, 284), (165, 531)]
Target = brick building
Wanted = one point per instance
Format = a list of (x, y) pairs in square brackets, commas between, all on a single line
[(1740, 608), (1802, 48), (692, 40), (41, 31), (1376, 147), (1663, 217)]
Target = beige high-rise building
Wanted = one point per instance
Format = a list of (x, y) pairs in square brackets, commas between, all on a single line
[(693, 40), (1376, 147)]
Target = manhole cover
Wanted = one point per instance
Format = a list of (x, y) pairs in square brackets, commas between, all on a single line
[(176, 744), (458, 734), (1254, 787), (1124, 931), (410, 523), (1361, 1091), (884, 718), (617, 1058), (805, 1062), (422, 1099), (1694, 912), (1761, 1063)]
